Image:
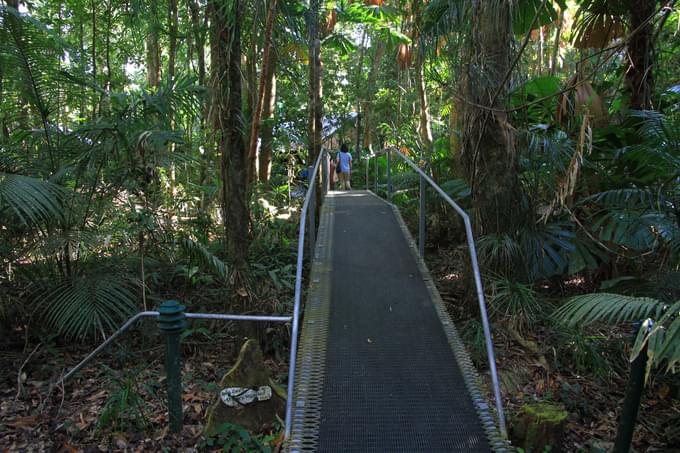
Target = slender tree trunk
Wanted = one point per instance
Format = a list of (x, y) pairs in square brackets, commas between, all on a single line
[(259, 102), (454, 138), (172, 35), (425, 127), (359, 78), (228, 117), (251, 74), (199, 28), (556, 45), (153, 57), (639, 77), (268, 125), (488, 152), (371, 89), (199, 39), (83, 93), (315, 89), (104, 103), (5, 129), (93, 5)]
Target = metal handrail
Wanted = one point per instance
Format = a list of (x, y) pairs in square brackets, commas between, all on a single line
[(154, 314), (473, 258), (295, 317), (310, 195)]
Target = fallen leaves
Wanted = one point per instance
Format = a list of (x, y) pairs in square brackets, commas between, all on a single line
[(27, 422)]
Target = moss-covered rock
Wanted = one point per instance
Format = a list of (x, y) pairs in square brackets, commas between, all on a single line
[(248, 372), (538, 426)]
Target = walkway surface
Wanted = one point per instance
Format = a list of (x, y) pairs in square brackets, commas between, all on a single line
[(380, 363)]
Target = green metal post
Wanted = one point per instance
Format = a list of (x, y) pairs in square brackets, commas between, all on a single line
[(171, 323), (631, 403), (389, 176)]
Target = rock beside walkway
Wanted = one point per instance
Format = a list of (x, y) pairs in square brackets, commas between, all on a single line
[(538, 426), (249, 372)]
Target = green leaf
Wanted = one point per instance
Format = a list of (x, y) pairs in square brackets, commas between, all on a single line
[(525, 11)]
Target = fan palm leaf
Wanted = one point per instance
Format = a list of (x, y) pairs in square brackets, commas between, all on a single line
[(660, 331), (32, 200), (200, 254), (86, 306)]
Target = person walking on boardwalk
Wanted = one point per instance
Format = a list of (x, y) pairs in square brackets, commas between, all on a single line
[(344, 166)]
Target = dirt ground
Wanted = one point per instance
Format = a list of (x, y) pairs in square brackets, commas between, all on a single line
[(99, 411)]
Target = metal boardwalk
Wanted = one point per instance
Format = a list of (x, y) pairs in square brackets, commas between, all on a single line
[(380, 367)]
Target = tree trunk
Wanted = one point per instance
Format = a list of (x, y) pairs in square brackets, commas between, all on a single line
[(639, 79), (424, 128), (360, 72), (556, 45), (228, 117), (153, 57), (266, 153), (315, 89), (172, 36), (371, 89), (259, 101), (94, 53), (199, 39), (488, 153)]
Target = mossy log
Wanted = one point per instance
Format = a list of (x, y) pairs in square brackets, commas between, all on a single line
[(538, 426), (248, 372)]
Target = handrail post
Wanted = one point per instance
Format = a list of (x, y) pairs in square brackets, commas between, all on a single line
[(389, 175), (325, 172), (375, 173), (421, 219), (171, 322), (368, 163), (312, 212)]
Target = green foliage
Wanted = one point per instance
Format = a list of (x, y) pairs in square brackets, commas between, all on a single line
[(84, 307), (526, 10), (546, 248), (199, 253), (233, 438), (581, 352), (33, 201), (124, 409), (660, 330), (498, 251), (516, 302)]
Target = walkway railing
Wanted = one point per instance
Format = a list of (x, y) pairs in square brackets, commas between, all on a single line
[(172, 317), (424, 178)]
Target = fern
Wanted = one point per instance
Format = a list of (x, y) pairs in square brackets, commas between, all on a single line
[(88, 306)]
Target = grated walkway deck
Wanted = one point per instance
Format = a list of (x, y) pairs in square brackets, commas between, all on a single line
[(380, 361)]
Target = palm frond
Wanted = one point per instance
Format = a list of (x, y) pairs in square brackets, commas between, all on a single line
[(630, 228), (662, 338), (628, 197), (609, 308), (200, 254), (546, 248), (515, 301), (32, 200), (498, 251), (88, 306)]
